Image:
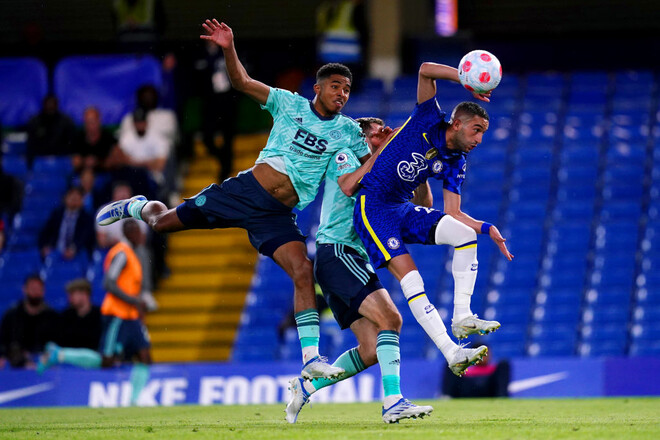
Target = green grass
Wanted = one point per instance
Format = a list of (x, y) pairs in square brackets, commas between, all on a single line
[(489, 419)]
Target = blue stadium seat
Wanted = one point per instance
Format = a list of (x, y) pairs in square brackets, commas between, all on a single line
[(15, 165), (108, 82), (52, 166), (551, 348), (25, 84)]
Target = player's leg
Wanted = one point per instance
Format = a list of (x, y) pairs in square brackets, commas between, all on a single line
[(80, 357), (158, 216), (292, 257), (382, 314), (412, 285), (464, 268), (346, 279), (136, 340), (382, 227)]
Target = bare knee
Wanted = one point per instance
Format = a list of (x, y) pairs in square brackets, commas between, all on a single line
[(394, 321), (389, 319), (160, 218)]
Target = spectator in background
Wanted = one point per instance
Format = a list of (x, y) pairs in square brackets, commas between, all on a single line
[(108, 236), (145, 148), (27, 326), (80, 322), (219, 105), (124, 335), (69, 229), (50, 132), (161, 121), (483, 380), (95, 147), (87, 180)]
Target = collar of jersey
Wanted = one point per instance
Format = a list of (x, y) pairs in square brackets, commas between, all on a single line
[(443, 151), (319, 115)]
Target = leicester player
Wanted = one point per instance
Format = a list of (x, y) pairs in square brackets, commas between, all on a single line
[(353, 291), (287, 174), (429, 146)]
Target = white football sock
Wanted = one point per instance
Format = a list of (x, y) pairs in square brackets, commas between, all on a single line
[(464, 264), (425, 313)]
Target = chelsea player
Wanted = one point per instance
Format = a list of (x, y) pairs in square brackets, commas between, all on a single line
[(429, 146), (305, 136)]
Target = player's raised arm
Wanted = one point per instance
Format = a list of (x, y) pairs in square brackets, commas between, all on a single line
[(429, 72), (222, 35), (452, 206)]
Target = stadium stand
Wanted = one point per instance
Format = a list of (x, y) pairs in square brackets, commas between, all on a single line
[(569, 171)]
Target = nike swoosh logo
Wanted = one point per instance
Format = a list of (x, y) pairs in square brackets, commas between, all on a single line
[(19, 393), (425, 138), (534, 382)]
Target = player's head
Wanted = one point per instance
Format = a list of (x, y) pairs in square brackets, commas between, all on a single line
[(332, 88), (33, 289), (79, 292), (74, 198), (375, 132), (469, 122)]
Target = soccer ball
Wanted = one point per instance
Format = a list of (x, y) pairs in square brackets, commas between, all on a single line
[(479, 71)]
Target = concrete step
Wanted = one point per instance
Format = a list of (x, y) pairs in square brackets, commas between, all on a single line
[(190, 353), (207, 281), (198, 301), (200, 336), (176, 317), (208, 240), (210, 261)]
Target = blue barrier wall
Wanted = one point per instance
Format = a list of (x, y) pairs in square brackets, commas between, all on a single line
[(246, 383)]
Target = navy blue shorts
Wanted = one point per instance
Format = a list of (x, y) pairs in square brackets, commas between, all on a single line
[(385, 227), (346, 279), (123, 338), (240, 202)]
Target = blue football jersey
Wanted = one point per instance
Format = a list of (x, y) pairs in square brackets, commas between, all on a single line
[(417, 152)]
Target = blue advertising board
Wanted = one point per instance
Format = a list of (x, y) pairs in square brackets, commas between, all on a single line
[(251, 383)]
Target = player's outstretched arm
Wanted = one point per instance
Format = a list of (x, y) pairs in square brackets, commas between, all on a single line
[(222, 35), (350, 182), (429, 72), (452, 206)]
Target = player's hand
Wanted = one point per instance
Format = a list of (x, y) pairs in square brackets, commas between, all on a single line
[(500, 242), (219, 33), (482, 96)]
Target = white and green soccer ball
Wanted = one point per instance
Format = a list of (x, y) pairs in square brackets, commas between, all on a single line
[(479, 71)]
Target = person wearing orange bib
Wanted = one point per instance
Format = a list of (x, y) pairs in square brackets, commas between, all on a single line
[(124, 334)]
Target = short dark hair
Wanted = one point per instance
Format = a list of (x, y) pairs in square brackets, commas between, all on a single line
[(75, 188), (365, 123), (33, 277), (79, 284), (469, 108), (333, 69)]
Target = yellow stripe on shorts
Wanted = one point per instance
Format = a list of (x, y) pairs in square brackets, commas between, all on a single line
[(371, 231)]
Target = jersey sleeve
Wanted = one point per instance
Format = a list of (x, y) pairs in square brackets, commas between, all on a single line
[(278, 99), (343, 162), (455, 177), (359, 146), (429, 112)]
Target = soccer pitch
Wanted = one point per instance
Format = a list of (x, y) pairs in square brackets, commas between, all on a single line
[(610, 418)]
